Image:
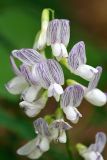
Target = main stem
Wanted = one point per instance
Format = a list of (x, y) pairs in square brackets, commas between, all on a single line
[(68, 148)]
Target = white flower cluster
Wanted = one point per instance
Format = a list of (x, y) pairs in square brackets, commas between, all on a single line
[(38, 78)]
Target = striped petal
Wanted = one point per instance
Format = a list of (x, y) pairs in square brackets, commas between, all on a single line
[(27, 56), (26, 72), (72, 96), (42, 73), (65, 31), (58, 32), (56, 71), (77, 56), (96, 77), (53, 32), (41, 127)]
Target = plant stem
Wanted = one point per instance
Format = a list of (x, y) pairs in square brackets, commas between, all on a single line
[(69, 148)]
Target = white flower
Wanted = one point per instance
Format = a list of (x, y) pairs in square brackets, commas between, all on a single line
[(93, 152), (93, 94), (36, 147), (32, 109), (50, 76), (23, 78), (57, 130), (77, 62), (40, 40), (58, 34), (70, 100)]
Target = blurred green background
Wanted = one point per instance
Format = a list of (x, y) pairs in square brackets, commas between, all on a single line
[(19, 22)]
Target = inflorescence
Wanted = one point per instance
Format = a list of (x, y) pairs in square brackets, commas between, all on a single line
[(38, 78)]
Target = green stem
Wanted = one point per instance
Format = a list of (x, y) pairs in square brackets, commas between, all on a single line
[(69, 148)]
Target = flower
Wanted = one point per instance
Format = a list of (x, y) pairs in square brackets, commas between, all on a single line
[(24, 83), (40, 40), (32, 109), (50, 76), (58, 34), (57, 130), (93, 152), (70, 100), (93, 94), (36, 147), (77, 62)]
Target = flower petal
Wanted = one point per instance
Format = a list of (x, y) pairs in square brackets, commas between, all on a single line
[(100, 142), (42, 73), (72, 114), (96, 97), (16, 85), (58, 32), (93, 83), (31, 93), (65, 31), (60, 124), (41, 127), (53, 32), (27, 148), (77, 55), (44, 144), (72, 96), (26, 72), (31, 109), (56, 71), (36, 154), (55, 90), (14, 66), (27, 56)]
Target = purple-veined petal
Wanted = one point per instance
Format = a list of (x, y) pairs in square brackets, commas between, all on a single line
[(27, 74), (60, 124), (53, 32), (41, 127), (14, 66), (72, 96), (65, 31), (56, 71), (58, 32), (94, 82), (42, 73), (100, 142), (27, 56), (77, 55)]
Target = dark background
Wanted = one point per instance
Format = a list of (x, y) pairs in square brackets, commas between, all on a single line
[(19, 22)]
